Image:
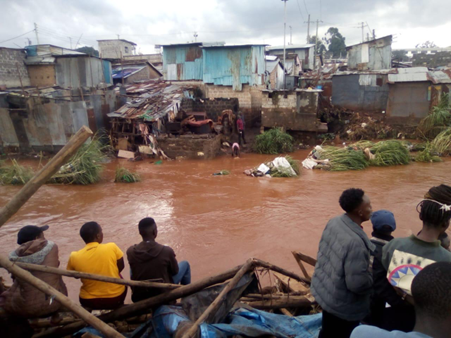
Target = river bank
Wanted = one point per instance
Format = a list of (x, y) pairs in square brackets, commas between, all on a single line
[(217, 222)]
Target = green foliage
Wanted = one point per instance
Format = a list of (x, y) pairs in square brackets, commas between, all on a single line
[(123, 175), (15, 173), (274, 142), (320, 47), (336, 43), (391, 152), (442, 143), (427, 155), (342, 159), (400, 56), (438, 120), (85, 166), (362, 145), (88, 50)]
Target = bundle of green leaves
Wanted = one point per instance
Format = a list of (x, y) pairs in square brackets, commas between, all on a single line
[(274, 141)]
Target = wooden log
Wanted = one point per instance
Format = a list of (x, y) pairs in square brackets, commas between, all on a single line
[(286, 312), (58, 296), (287, 302), (77, 274), (44, 174), (307, 259), (211, 310), (144, 305), (263, 264)]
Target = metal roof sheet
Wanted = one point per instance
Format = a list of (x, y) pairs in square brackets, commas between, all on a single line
[(119, 73), (414, 74), (440, 76), (310, 45)]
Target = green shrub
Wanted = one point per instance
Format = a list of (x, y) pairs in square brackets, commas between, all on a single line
[(123, 175), (274, 142), (15, 173), (388, 153)]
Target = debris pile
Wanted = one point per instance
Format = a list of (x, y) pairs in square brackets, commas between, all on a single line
[(279, 167)]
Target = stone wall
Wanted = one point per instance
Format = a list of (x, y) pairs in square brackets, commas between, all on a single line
[(205, 146), (250, 99), (213, 107), (11, 66)]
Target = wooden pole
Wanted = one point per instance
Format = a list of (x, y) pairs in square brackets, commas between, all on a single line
[(77, 274), (273, 267), (144, 305), (58, 296), (286, 302), (211, 310), (44, 174)]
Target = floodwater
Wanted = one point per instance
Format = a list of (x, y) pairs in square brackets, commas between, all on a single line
[(217, 222)]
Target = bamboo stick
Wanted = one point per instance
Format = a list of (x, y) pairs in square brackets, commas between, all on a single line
[(44, 174), (211, 310), (77, 274), (144, 305), (263, 264), (65, 301)]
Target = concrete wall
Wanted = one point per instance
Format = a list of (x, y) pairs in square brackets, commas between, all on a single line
[(296, 112), (191, 146), (371, 55), (42, 75), (408, 99), (364, 92), (12, 66), (115, 49), (213, 107), (250, 100)]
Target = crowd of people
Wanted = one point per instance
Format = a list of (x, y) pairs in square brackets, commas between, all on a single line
[(357, 280)]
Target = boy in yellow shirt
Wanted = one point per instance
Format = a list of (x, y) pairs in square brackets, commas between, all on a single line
[(102, 259)]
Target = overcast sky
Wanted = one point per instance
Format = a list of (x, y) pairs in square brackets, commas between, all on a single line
[(150, 22)]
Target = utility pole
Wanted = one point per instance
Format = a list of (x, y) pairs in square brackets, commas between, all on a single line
[(284, 36), (308, 29), (362, 26), (195, 36), (70, 41), (36, 31), (367, 36), (316, 38), (374, 34), (117, 36)]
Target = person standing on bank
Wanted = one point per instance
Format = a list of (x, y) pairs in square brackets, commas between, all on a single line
[(151, 260), (240, 127), (100, 259), (342, 282)]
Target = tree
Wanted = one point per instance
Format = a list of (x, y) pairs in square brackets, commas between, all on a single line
[(427, 44), (320, 48), (335, 42), (88, 50), (400, 56)]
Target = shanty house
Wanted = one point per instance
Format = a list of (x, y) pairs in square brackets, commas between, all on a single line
[(132, 71), (116, 49), (298, 57), (274, 73), (183, 61), (413, 91), (370, 55), (50, 65)]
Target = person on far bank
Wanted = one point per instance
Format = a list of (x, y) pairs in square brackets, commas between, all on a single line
[(101, 259), (342, 282), (435, 213), (431, 294), (240, 127), (151, 260), (384, 224)]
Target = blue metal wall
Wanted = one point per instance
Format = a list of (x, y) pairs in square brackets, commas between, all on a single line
[(182, 62), (234, 66)]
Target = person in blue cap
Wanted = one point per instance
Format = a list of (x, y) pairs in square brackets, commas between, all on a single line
[(384, 224)]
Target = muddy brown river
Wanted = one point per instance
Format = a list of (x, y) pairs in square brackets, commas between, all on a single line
[(217, 222)]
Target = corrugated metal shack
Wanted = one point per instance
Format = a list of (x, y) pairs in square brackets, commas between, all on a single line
[(370, 55), (361, 91), (274, 73), (45, 120), (234, 65), (305, 53), (183, 61), (50, 65), (131, 71), (413, 91)]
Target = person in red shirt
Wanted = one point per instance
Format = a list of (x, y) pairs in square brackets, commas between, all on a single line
[(240, 127)]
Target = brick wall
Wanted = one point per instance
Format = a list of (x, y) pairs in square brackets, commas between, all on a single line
[(10, 60), (191, 146), (249, 100), (213, 107)]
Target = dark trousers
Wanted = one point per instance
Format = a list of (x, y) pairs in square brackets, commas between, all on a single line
[(336, 327), (241, 136), (104, 303)]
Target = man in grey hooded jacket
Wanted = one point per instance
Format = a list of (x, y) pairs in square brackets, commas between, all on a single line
[(342, 282)]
